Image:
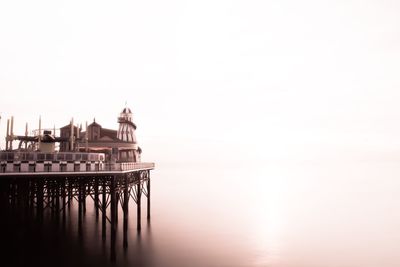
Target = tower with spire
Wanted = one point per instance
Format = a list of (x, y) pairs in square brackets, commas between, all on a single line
[(126, 130), (126, 133)]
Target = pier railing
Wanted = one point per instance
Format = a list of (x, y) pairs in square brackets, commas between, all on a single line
[(19, 168), (127, 166)]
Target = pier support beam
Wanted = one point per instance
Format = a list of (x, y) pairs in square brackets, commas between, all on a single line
[(148, 197), (39, 200), (57, 196), (69, 193), (64, 199), (32, 189), (138, 204), (125, 209), (80, 210), (104, 209), (113, 214), (96, 196), (84, 197), (117, 197), (80, 198)]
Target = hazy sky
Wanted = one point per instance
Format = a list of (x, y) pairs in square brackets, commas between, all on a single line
[(231, 80)]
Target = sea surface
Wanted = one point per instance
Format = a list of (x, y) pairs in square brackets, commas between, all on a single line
[(271, 214)]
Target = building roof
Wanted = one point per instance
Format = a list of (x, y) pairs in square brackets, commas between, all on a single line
[(112, 134), (94, 123), (126, 110)]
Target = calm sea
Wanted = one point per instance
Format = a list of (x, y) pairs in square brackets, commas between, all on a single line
[(277, 214)]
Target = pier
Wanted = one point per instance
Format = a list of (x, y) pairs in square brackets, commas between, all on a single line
[(33, 194), (101, 165)]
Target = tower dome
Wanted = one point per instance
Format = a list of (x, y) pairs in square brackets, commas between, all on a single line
[(126, 131), (126, 110)]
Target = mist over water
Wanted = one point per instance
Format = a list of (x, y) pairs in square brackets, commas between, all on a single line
[(279, 214)]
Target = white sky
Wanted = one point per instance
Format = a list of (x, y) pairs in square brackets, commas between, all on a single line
[(210, 80)]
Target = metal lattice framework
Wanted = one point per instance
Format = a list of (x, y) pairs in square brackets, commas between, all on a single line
[(55, 194)]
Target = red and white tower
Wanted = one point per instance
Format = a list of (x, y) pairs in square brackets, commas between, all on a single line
[(126, 131)]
